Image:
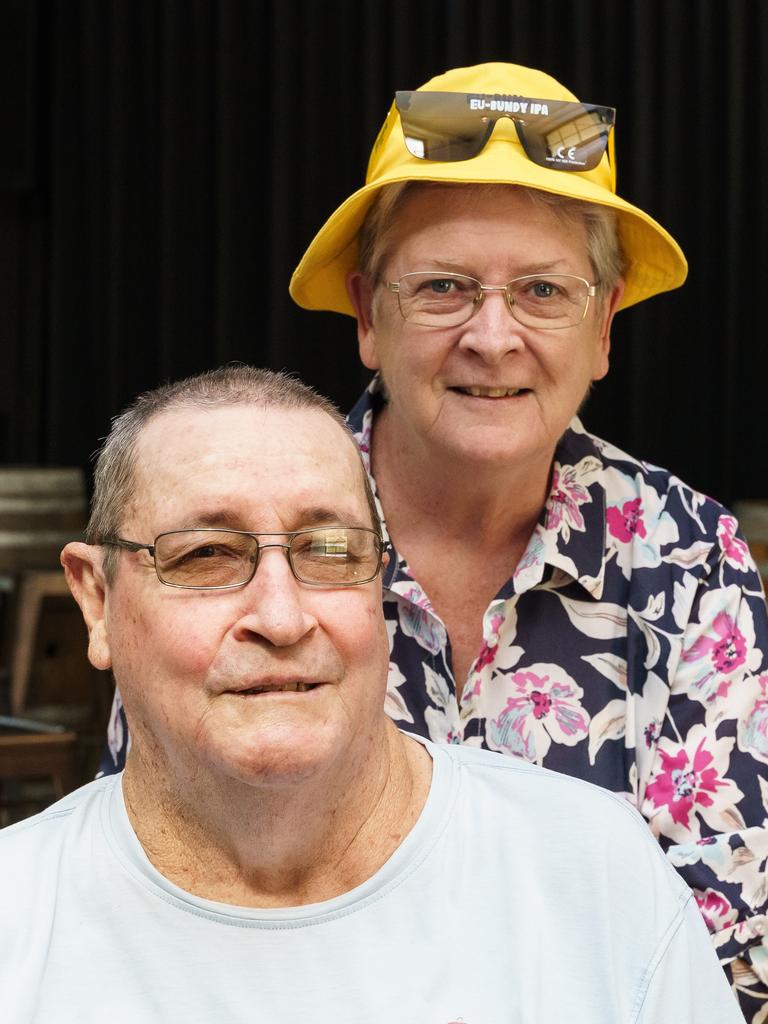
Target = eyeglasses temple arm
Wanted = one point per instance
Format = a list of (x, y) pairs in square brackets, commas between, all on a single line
[(129, 545), (612, 157)]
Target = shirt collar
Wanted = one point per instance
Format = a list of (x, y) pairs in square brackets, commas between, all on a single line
[(570, 534)]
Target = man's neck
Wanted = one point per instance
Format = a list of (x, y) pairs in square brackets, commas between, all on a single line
[(277, 846)]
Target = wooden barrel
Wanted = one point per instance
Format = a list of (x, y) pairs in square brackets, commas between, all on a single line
[(41, 509)]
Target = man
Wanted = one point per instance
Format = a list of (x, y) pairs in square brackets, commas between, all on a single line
[(275, 849)]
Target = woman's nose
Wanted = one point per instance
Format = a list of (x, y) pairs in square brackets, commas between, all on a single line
[(492, 332)]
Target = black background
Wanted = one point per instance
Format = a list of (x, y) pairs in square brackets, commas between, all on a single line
[(164, 163)]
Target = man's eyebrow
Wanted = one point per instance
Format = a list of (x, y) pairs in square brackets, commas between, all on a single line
[(313, 515), (222, 517)]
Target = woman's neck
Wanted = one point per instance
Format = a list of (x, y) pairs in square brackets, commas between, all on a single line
[(496, 503)]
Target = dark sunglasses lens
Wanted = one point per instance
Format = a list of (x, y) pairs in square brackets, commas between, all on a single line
[(439, 126), (571, 137), (557, 134)]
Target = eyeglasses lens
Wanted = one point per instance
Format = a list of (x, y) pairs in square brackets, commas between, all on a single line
[(335, 557), (548, 301), (208, 559)]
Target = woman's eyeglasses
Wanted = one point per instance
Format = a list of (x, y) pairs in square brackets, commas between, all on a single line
[(544, 301)]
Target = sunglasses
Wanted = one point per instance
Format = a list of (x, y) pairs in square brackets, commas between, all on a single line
[(559, 134)]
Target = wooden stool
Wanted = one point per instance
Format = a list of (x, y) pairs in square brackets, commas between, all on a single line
[(31, 756), (34, 586)]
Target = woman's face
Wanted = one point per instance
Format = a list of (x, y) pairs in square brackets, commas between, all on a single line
[(491, 389)]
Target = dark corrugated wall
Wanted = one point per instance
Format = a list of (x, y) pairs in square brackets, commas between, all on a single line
[(164, 164)]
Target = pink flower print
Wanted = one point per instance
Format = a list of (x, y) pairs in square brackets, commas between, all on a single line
[(419, 621), (651, 732), (753, 731), (736, 551), (488, 651), (486, 656), (363, 438), (682, 784), (692, 782), (541, 704), (726, 652), (565, 496), (715, 909), (545, 707), (624, 524)]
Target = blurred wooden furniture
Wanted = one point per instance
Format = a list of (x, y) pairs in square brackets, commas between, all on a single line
[(753, 520), (41, 509), (45, 675), (35, 585), (760, 555), (41, 756), (27, 757)]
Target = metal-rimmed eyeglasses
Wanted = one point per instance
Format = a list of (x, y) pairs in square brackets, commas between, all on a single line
[(548, 302), (210, 559)]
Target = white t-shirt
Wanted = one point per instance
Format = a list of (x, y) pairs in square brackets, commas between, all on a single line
[(476, 918)]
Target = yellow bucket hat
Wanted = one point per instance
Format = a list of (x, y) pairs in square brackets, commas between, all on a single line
[(655, 262)]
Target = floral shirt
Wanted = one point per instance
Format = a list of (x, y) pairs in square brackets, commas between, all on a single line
[(629, 648)]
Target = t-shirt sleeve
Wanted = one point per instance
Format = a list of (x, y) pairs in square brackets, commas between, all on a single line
[(686, 984)]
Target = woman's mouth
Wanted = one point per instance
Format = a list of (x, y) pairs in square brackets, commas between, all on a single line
[(481, 392)]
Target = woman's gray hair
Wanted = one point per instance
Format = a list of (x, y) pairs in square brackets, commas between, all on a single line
[(235, 384), (600, 223)]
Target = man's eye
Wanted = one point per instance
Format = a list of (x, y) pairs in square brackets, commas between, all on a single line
[(207, 551)]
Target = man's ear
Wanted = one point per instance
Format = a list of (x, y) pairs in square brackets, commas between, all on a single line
[(82, 567), (360, 292), (610, 306)]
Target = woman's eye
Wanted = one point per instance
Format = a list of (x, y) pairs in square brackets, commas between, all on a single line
[(543, 289), (441, 286)]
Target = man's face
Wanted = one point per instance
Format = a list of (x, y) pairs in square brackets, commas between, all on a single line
[(490, 390), (187, 662)]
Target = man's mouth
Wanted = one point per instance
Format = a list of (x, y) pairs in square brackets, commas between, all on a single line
[(478, 392), (277, 688)]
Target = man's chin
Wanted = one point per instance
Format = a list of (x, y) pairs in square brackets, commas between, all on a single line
[(281, 755)]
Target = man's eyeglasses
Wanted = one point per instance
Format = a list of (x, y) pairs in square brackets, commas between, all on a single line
[(559, 134), (544, 301), (327, 556)]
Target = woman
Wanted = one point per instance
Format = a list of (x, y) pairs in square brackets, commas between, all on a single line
[(548, 595)]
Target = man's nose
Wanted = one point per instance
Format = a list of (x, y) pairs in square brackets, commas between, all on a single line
[(274, 602), (493, 332)]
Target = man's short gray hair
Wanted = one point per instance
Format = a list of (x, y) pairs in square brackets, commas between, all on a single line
[(237, 384)]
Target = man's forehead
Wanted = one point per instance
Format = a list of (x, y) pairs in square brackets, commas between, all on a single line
[(205, 458)]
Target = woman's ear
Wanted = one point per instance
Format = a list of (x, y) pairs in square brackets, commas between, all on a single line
[(360, 292), (607, 313)]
